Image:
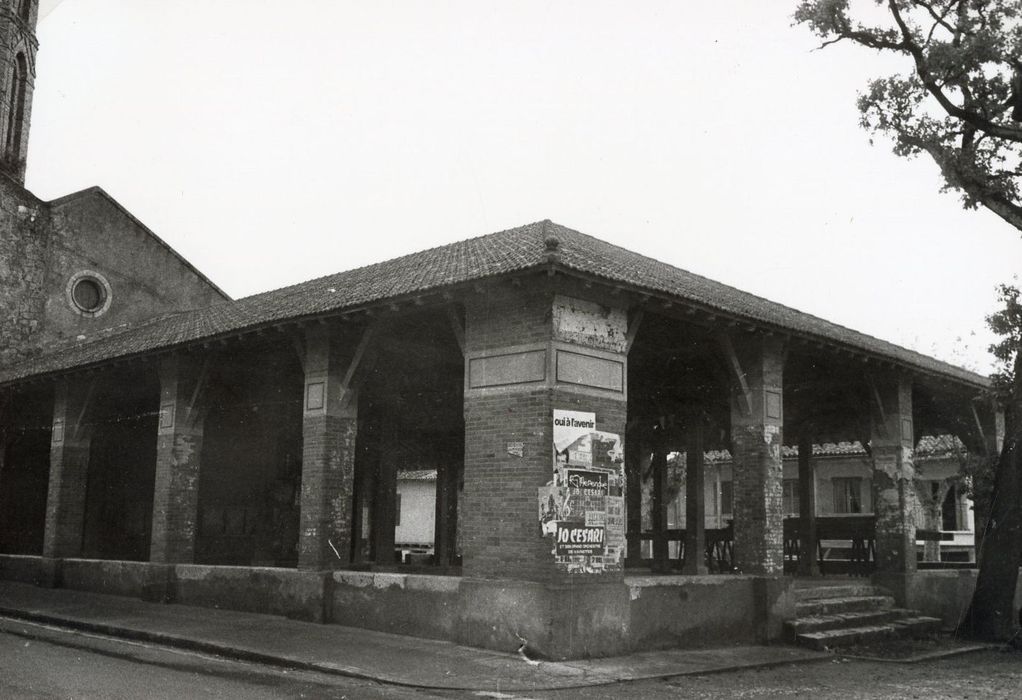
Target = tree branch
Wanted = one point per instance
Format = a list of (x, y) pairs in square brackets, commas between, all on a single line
[(923, 71)]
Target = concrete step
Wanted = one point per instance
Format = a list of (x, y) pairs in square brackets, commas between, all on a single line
[(821, 623), (915, 627), (833, 606), (846, 590)]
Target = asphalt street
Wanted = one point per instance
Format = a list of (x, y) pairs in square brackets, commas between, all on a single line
[(39, 661)]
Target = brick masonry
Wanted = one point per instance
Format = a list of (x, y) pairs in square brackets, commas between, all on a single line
[(756, 435), (178, 458), (894, 495), (329, 427), (69, 466), (501, 536)]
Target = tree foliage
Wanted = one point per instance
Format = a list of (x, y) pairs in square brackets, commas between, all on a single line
[(955, 101)]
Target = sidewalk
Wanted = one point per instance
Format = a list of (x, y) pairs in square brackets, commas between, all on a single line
[(359, 653)]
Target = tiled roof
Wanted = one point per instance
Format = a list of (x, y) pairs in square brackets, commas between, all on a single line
[(496, 254)]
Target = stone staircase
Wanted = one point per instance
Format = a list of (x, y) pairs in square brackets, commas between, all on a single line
[(840, 614)]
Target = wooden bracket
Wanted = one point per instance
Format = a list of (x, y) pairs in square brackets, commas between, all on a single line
[(458, 327), (737, 374), (356, 360), (76, 427), (633, 329), (191, 414), (299, 344), (979, 428), (879, 414)]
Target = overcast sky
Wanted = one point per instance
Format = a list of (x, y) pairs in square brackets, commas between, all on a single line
[(271, 142)]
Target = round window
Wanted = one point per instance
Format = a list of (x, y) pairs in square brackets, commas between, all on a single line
[(88, 295)]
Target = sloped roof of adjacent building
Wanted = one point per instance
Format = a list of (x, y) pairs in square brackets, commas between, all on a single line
[(506, 252)]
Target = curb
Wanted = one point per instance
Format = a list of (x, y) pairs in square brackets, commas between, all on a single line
[(213, 648), (596, 678)]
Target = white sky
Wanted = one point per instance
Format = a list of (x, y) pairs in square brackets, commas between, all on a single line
[(273, 142)]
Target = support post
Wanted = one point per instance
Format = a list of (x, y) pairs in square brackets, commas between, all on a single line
[(756, 431), (658, 506), (329, 426), (808, 563), (70, 443), (695, 505), (179, 437)]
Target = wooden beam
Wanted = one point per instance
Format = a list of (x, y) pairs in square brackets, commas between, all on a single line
[(737, 374)]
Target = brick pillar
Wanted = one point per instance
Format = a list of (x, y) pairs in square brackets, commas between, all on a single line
[(178, 456), (69, 468), (525, 358), (756, 421), (329, 425), (894, 495)]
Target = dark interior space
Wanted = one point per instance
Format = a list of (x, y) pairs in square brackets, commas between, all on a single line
[(121, 421), (410, 419), (25, 473), (250, 476)]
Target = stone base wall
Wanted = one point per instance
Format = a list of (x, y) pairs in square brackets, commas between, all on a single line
[(568, 622), (946, 593), (556, 621)]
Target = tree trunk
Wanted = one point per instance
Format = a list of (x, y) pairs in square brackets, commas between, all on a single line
[(991, 613)]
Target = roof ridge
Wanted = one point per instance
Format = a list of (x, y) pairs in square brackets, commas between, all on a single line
[(394, 259)]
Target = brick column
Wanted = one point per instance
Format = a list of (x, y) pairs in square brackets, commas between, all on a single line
[(178, 456), (329, 425), (756, 421), (525, 358), (894, 496), (69, 468)]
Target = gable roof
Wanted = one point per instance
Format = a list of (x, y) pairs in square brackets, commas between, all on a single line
[(99, 193), (528, 247)]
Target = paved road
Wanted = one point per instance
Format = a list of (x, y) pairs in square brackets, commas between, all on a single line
[(41, 662)]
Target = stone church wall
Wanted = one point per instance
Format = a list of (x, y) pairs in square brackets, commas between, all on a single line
[(23, 242)]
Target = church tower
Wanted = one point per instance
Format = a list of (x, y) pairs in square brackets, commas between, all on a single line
[(18, 45)]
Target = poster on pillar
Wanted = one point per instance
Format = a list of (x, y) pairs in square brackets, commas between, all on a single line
[(581, 509)]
